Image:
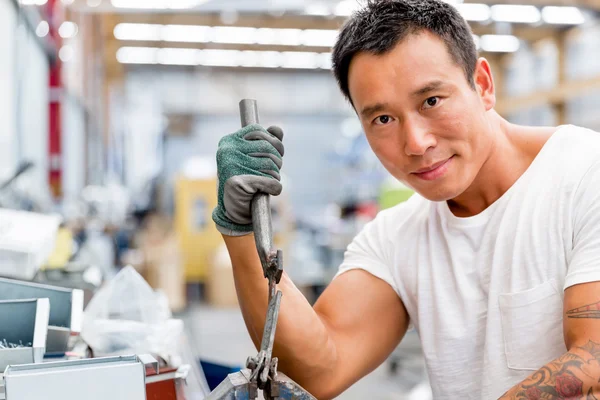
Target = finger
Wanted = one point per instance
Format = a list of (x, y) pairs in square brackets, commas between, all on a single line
[(271, 173), (262, 163), (278, 161), (277, 131), (273, 140), (239, 191)]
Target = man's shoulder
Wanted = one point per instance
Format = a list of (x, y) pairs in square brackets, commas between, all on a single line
[(570, 152), (404, 215), (578, 139)]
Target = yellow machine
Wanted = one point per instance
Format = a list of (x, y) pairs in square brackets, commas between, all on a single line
[(195, 200)]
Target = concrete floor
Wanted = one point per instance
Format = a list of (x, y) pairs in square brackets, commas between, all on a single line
[(220, 336)]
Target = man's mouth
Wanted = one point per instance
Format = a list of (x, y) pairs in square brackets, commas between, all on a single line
[(433, 171)]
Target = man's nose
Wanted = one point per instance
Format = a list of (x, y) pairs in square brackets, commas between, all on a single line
[(417, 137)]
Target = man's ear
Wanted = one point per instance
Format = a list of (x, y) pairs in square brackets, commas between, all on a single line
[(484, 83)]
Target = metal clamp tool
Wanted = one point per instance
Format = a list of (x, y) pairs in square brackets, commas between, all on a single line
[(262, 369)]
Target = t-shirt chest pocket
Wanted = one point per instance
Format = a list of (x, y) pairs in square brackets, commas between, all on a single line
[(532, 326)]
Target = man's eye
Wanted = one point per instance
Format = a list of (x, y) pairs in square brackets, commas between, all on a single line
[(383, 120), (431, 102)]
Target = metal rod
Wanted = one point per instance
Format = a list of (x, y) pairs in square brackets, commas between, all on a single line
[(261, 209)]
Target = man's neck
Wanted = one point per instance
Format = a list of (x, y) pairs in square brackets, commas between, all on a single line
[(520, 145)]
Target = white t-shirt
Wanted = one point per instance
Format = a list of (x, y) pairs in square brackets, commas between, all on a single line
[(485, 293)]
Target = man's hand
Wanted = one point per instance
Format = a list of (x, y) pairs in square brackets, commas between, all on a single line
[(248, 161), (576, 374)]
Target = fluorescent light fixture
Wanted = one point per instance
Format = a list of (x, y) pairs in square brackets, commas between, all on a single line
[(33, 2), (221, 58), (169, 56), (500, 43), (43, 29), (319, 37), (562, 15), (286, 37), (477, 41), (319, 9), (224, 58), (68, 30), (270, 59), (474, 11), (157, 4), (137, 55), (325, 61), (233, 35), (225, 34), (147, 32), (289, 37), (346, 8), (67, 2), (94, 3), (298, 59), (186, 33), (66, 53), (515, 13)]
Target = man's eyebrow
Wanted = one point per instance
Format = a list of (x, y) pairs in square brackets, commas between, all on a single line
[(372, 109), (429, 87)]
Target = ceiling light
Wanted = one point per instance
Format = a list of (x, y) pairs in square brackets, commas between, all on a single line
[(297, 59), (127, 31), (347, 7), (319, 37), (186, 33), (157, 4), (325, 61), (170, 56), (223, 58), (66, 53), (477, 42), (515, 13), (43, 29), (67, 2), (499, 43), (220, 58), (474, 11), (226, 34), (270, 59), (94, 3), (318, 9), (562, 15), (233, 35), (137, 55), (33, 2), (68, 30)]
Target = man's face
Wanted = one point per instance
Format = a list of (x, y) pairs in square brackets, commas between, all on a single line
[(423, 120)]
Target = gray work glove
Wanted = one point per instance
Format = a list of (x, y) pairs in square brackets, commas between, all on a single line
[(248, 161)]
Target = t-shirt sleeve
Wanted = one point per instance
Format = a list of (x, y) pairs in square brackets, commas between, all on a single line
[(584, 263), (369, 252)]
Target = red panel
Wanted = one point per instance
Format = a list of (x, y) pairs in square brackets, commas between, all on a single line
[(54, 16)]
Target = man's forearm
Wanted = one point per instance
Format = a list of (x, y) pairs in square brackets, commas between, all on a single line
[(574, 375), (302, 343)]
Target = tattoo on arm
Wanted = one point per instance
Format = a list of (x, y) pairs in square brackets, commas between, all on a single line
[(587, 311), (574, 375)]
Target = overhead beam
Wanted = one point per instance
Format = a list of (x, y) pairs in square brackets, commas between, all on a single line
[(559, 94)]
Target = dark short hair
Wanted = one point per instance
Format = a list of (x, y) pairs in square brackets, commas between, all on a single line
[(381, 24)]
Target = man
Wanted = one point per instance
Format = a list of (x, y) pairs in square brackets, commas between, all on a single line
[(495, 260)]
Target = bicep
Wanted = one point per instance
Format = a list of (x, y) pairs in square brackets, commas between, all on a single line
[(581, 318), (366, 320)]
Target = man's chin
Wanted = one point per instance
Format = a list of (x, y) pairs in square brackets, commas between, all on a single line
[(437, 194)]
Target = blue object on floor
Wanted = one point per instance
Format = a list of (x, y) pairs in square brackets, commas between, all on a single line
[(216, 373)]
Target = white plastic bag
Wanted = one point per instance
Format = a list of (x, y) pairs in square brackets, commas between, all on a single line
[(128, 317)]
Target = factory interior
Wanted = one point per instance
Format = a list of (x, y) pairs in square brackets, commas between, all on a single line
[(112, 272)]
